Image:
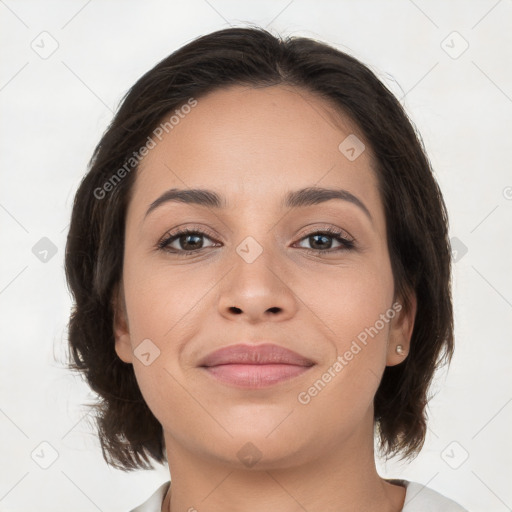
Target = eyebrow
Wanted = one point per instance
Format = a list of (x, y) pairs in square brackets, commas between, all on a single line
[(295, 199)]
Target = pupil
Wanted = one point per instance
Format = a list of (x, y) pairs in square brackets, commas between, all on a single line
[(322, 237), (194, 246)]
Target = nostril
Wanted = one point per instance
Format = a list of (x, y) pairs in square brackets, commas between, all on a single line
[(234, 309)]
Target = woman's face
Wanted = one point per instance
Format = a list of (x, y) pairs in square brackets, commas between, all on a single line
[(261, 270)]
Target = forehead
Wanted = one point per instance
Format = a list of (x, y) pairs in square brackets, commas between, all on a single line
[(253, 144)]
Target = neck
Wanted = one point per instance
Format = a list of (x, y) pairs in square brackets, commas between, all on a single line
[(340, 477)]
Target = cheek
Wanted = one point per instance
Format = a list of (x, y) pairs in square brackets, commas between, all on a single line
[(356, 310), (161, 320), (166, 308), (160, 301), (350, 299)]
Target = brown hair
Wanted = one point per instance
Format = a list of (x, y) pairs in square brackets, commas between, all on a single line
[(416, 218)]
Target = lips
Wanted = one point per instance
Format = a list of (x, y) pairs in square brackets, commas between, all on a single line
[(266, 353), (254, 366)]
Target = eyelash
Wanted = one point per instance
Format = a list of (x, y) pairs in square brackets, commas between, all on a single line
[(346, 243)]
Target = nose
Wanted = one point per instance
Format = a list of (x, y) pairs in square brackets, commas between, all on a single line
[(257, 291)]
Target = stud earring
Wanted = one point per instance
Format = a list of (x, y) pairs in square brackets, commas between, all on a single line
[(400, 350)]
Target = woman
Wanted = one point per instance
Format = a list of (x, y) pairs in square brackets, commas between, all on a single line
[(261, 268)]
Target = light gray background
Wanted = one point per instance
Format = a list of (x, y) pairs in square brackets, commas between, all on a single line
[(54, 110)]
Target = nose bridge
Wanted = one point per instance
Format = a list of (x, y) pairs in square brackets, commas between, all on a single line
[(256, 237), (255, 287)]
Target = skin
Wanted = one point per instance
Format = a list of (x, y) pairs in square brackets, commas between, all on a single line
[(253, 146)]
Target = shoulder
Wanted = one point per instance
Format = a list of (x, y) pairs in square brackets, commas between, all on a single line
[(419, 498), (154, 502)]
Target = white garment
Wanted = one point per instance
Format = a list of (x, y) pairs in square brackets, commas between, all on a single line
[(418, 498)]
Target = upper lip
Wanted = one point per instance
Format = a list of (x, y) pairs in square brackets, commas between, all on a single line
[(265, 353)]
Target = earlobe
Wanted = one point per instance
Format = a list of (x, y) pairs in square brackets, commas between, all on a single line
[(123, 346), (400, 333)]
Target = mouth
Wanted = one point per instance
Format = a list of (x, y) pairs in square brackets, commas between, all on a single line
[(255, 366)]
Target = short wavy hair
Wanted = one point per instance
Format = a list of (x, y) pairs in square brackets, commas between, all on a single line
[(416, 220)]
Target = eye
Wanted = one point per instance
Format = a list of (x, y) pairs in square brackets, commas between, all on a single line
[(321, 241), (186, 242)]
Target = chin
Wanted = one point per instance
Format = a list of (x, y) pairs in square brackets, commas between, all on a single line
[(259, 451)]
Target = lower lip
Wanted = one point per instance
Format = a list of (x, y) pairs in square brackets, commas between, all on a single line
[(255, 376)]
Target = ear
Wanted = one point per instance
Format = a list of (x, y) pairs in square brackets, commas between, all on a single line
[(400, 331), (123, 346)]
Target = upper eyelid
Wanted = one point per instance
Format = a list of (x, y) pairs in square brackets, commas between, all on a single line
[(332, 231), (188, 230)]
